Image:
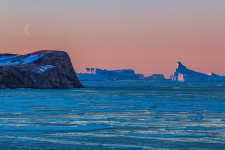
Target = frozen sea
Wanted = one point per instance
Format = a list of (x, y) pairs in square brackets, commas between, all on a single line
[(114, 115)]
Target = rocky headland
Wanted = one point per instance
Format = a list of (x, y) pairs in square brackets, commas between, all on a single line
[(46, 69)]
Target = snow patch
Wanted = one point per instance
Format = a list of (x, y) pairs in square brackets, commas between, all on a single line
[(7, 57), (19, 59), (44, 68), (31, 58), (8, 62)]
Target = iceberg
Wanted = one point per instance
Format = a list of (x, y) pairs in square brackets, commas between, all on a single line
[(155, 77), (95, 74), (91, 77), (186, 75)]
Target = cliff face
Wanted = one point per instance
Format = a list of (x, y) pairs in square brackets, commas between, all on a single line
[(39, 70)]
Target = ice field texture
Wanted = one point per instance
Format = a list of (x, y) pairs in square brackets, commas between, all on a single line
[(114, 115)]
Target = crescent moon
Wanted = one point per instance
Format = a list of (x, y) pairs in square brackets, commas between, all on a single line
[(26, 29)]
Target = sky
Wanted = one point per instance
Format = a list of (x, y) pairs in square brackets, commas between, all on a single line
[(149, 36)]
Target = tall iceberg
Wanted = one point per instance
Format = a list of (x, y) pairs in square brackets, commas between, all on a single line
[(186, 75)]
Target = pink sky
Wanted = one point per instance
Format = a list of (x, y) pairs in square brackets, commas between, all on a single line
[(149, 36)]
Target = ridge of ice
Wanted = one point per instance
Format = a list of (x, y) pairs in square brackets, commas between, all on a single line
[(183, 74)]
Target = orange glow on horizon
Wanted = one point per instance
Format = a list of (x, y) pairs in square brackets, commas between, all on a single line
[(147, 36)]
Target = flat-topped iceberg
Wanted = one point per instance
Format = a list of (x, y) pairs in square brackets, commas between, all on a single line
[(100, 74), (186, 75), (155, 77)]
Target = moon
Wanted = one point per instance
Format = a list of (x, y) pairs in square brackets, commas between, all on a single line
[(26, 29)]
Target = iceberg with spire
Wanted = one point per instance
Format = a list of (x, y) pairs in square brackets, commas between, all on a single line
[(186, 75)]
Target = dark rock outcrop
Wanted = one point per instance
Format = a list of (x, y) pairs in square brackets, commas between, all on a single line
[(39, 70)]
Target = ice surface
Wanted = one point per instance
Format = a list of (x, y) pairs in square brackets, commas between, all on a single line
[(127, 147), (115, 115)]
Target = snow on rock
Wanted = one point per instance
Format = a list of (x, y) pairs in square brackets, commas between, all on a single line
[(19, 59), (4, 57), (186, 75), (31, 58), (44, 68), (41, 69)]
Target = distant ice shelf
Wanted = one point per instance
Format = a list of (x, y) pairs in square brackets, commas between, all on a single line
[(95, 74), (186, 75), (102, 75)]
